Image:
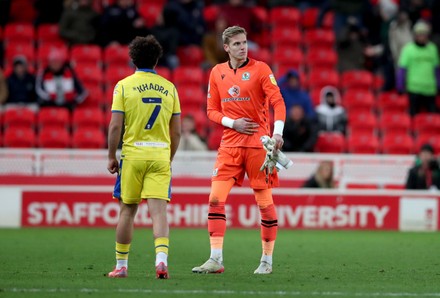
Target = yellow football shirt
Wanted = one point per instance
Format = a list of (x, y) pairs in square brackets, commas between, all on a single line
[(148, 102)]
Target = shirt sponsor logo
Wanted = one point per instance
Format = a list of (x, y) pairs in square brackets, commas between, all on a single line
[(246, 76), (150, 144)]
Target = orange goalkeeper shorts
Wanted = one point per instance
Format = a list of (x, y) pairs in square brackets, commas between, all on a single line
[(234, 162)]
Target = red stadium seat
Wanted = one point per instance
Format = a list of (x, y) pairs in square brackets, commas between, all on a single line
[(319, 38), (357, 79), (19, 49), (428, 138), (395, 143), (315, 95), (22, 32), (45, 49), (90, 74), (48, 33), (426, 123), (188, 75), (309, 18), (114, 74), (87, 118), (286, 36), (362, 123), (288, 54), (19, 117), (395, 123), (150, 12), (358, 100), (164, 72), (363, 144), (116, 55), (321, 79), (190, 55), (210, 14), (215, 137), (284, 16), (54, 137), (86, 55), (19, 137), (191, 97), (320, 57), (88, 138), (53, 117), (330, 142), (95, 97), (392, 102), (261, 54)]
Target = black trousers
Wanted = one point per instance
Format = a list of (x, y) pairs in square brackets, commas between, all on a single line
[(419, 103)]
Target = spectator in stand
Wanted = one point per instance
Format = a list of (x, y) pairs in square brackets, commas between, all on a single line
[(187, 17), (21, 83), (57, 84), (300, 133), (190, 140), (323, 177), (79, 23), (121, 23), (419, 71), (331, 115), (399, 35), (237, 12), (4, 11), (213, 44), (48, 11), (426, 172), (168, 36), (351, 47), (293, 94), (3, 88)]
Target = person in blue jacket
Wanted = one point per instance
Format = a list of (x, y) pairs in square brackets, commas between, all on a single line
[(293, 94)]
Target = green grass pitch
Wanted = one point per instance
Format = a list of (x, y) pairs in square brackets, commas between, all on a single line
[(73, 263)]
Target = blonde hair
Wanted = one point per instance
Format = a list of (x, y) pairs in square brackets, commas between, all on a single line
[(325, 182), (232, 31)]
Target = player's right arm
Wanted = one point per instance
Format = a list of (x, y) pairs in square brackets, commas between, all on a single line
[(115, 128)]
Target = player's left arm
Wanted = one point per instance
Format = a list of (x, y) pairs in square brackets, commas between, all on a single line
[(175, 126), (272, 92)]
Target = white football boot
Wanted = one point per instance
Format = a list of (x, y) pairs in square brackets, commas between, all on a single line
[(264, 268), (210, 266)]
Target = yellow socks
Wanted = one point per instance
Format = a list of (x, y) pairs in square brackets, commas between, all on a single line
[(122, 251), (161, 247)]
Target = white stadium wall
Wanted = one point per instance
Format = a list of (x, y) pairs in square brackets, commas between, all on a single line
[(53, 188)]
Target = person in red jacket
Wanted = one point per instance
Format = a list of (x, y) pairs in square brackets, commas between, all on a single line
[(240, 93), (57, 84)]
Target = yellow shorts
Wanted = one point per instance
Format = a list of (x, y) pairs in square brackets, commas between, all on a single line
[(143, 179)]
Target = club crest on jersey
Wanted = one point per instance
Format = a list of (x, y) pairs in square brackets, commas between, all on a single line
[(246, 76), (234, 91)]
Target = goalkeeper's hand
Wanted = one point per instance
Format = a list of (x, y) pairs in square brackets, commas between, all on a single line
[(270, 160)]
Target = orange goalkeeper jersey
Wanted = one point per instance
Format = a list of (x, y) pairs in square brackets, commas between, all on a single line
[(245, 92)]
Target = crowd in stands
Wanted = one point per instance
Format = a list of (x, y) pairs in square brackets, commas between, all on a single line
[(357, 76)]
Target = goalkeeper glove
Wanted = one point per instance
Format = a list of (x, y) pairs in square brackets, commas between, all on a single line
[(274, 158)]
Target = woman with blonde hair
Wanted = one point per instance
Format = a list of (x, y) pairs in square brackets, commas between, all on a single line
[(323, 177)]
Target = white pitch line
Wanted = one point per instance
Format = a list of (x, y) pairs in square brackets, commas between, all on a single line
[(221, 292)]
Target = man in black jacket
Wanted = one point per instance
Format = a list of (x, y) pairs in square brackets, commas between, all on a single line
[(426, 173)]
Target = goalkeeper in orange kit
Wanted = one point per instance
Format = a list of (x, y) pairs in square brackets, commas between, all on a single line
[(239, 95)]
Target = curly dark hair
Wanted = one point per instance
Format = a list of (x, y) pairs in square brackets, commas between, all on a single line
[(145, 51)]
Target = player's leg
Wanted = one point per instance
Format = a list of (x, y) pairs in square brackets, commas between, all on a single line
[(158, 212), (157, 189), (269, 227), (262, 183), (228, 171), (216, 226), (127, 190)]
